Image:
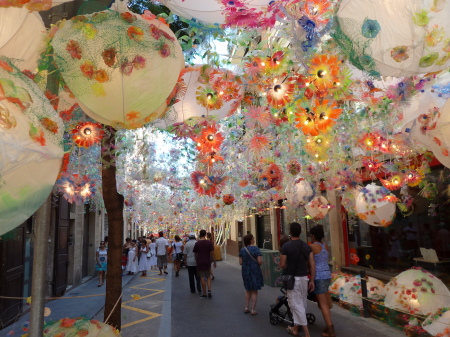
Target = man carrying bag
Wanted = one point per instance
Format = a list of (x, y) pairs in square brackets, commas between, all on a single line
[(295, 256)]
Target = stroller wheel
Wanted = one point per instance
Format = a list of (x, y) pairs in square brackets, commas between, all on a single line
[(310, 318), (273, 318)]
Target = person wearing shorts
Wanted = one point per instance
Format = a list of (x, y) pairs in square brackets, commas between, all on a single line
[(204, 254)]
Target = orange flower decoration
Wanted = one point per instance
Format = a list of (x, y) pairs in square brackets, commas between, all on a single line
[(87, 134), (87, 68), (319, 119), (135, 33), (209, 140), (67, 322), (370, 141), (324, 71), (280, 93), (101, 76), (393, 183), (276, 60)]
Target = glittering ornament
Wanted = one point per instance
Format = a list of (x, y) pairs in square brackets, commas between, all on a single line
[(87, 134)]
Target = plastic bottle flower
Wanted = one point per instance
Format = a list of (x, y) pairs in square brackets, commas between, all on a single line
[(324, 70), (209, 140), (209, 98), (319, 119), (280, 93), (87, 134)]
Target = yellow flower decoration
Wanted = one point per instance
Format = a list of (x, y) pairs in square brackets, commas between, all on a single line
[(367, 257), (98, 89), (136, 297), (434, 36)]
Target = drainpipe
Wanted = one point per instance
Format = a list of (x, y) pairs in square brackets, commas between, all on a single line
[(39, 276)]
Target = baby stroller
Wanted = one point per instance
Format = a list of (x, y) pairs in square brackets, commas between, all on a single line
[(280, 311)]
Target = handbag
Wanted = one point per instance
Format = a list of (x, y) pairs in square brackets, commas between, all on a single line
[(149, 254), (289, 281)]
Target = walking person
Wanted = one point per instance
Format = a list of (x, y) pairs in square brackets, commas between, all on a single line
[(322, 279), (144, 263), (204, 254), (102, 263), (132, 264), (152, 260), (126, 247), (250, 258), (161, 253), (210, 238), (295, 255), (177, 254), (189, 261)]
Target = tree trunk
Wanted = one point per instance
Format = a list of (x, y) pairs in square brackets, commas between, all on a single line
[(114, 207)]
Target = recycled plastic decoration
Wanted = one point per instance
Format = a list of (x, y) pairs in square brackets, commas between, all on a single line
[(239, 13), (351, 291), (440, 135), (374, 206), (31, 147), (31, 5), (16, 26), (438, 322), (75, 188), (114, 63), (299, 193), (318, 208), (401, 39), (87, 134), (416, 291), (79, 327), (204, 91)]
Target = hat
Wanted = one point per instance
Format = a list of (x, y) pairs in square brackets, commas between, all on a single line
[(192, 235)]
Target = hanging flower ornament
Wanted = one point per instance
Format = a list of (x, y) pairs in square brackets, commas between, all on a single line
[(319, 119), (87, 134), (228, 199), (280, 93), (324, 71), (207, 185), (293, 167), (209, 140), (393, 183), (75, 188)]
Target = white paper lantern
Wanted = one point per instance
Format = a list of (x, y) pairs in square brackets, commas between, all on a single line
[(120, 66), (30, 147), (418, 291), (351, 291), (401, 38), (318, 208), (300, 193), (18, 25), (440, 135), (438, 322), (375, 207)]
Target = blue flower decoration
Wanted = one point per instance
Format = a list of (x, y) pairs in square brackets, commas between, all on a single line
[(370, 28)]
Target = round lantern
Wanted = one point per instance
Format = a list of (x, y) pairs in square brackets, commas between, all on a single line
[(31, 5), (318, 208), (300, 193), (374, 206), (251, 13), (31, 148), (440, 135), (438, 322), (79, 327), (19, 25), (203, 91), (120, 66), (351, 291), (416, 291), (401, 38)]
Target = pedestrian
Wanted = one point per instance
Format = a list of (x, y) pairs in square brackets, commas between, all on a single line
[(189, 261), (210, 238), (295, 255), (132, 264), (250, 258), (322, 279), (161, 252), (102, 263), (204, 254), (177, 254), (153, 260), (144, 263)]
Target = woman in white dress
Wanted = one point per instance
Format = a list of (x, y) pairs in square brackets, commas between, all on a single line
[(153, 259), (144, 262), (132, 265)]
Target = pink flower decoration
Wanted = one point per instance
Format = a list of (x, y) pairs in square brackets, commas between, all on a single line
[(148, 15), (164, 50), (126, 68)]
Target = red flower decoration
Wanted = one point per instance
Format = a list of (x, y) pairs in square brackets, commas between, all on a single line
[(87, 134)]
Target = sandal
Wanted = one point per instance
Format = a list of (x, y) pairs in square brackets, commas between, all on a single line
[(246, 311), (254, 313), (290, 331)]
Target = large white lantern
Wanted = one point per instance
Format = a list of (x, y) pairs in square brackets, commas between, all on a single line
[(375, 206), (318, 208), (300, 193)]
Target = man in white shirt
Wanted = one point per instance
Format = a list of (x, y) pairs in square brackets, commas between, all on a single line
[(161, 253), (189, 260)]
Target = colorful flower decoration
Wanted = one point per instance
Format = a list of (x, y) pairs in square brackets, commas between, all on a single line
[(75, 188), (324, 71), (393, 183), (280, 93), (317, 147), (370, 141), (414, 177), (209, 140), (87, 134), (371, 164), (207, 185), (228, 199), (257, 116), (208, 97), (293, 167), (319, 119), (266, 174)]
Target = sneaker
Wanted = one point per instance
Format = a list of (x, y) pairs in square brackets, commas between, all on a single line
[(203, 296), (209, 294)]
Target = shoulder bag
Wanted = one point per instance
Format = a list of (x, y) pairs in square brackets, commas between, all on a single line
[(250, 254)]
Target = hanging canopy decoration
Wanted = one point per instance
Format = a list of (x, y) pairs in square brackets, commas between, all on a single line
[(79, 327), (16, 26), (120, 66), (31, 147), (417, 291), (375, 206), (395, 39)]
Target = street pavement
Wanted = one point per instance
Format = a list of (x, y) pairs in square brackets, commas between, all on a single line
[(163, 306)]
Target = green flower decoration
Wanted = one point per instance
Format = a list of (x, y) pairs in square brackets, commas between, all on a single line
[(428, 60), (444, 59), (370, 28), (421, 18)]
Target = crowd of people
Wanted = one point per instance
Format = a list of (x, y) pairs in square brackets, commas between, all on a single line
[(307, 264)]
